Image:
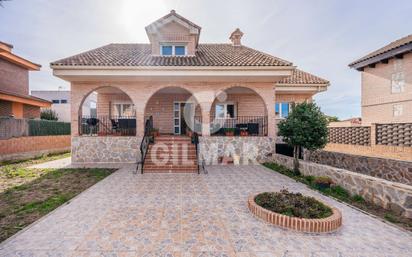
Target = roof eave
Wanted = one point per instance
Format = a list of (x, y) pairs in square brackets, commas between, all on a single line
[(17, 60), (361, 63)]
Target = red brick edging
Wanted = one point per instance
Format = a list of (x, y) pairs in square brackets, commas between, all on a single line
[(328, 224)]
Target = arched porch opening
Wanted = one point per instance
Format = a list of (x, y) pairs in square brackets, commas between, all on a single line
[(238, 111), (107, 111), (175, 111)]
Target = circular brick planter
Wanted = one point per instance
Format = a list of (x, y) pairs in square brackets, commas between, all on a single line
[(328, 224)]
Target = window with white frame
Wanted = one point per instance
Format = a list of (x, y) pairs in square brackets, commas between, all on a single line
[(398, 82), (225, 110), (172, 50), (282, 109), (123, 109), (397, 110)]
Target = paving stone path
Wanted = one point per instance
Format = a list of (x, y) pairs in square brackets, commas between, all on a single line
[(195, 215)]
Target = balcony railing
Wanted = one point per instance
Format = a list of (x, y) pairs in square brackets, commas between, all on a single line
[(107, 125), (239, 126)]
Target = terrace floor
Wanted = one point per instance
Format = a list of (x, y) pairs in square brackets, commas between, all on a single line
[(194, 215)]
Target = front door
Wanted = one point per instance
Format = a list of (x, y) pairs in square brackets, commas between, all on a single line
[(182, 117)]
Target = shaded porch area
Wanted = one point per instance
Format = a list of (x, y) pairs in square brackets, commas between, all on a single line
[(114, 114)]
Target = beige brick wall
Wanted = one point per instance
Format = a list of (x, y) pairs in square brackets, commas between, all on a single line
[(383, 151), (173, 33), (204, 92), (160, 106), (377, 96), (104, 105)]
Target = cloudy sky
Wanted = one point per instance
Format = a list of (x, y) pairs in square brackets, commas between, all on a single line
[(319, 36)]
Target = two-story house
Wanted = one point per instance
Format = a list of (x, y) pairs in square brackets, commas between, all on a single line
[(387, 83), (228, 93), (15, 100)]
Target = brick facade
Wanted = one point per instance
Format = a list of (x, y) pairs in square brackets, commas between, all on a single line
[(13, 78), (27, 147), (5, 108), (149, 101), (377, 98), (31, 112)]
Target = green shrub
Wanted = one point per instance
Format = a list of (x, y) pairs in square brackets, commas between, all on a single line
[(48, 114), (293, 205), (47, 128), (358, 198)]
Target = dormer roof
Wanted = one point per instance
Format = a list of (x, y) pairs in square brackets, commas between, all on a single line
[(154, 27)]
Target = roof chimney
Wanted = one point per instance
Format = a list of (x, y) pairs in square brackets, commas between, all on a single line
[(236, 36)]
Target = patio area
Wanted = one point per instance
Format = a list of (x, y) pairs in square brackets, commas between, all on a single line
[(194, 215)]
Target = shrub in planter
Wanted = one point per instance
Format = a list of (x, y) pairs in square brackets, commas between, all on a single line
[(230, 132), (244, 133), (293, 205), (323, 182)]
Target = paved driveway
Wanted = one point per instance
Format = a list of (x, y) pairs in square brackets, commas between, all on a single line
[(194, 215)]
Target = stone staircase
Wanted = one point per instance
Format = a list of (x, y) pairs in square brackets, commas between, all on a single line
[(171, 154)]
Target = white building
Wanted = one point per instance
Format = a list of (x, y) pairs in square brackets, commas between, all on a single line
[(61, 102)]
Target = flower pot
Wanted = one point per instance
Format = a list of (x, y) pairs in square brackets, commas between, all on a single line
[(229, 133), (244, 133)]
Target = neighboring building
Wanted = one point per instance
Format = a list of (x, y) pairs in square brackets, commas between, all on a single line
[(387, 83), (184, 85), (60, 100), (15, 100)]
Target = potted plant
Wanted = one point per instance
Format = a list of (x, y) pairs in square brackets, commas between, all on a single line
[(244, 133), (229, 132), (323, 182)]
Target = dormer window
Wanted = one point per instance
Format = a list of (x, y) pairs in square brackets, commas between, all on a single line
[(172, 50)]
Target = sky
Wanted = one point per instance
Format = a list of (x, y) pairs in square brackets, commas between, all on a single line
[(319, 36)]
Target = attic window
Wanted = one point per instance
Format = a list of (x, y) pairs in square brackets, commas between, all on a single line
[(173, 50)]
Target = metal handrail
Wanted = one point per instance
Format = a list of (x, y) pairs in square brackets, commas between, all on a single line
[(195, 141), (144, 145)]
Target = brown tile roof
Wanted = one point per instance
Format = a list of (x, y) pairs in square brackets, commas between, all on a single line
[(173, 13), (303, 78), (140, 55), (394, 45), (30, 97)]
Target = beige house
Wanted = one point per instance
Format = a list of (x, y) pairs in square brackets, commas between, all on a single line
[(182, 86), (387, 83)]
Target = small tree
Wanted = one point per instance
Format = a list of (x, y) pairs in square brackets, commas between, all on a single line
[(48, 114), (332, 118), (306, 126)]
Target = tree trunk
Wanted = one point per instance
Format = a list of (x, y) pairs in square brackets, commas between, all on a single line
[(296, 160)]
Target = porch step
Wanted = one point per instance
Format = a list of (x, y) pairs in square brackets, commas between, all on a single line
[(175, 149)]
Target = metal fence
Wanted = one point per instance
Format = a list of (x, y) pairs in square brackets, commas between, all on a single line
[(107, 125), (240, 125), (10, 127)]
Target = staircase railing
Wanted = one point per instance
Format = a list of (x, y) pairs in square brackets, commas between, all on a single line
[(195, 141), (144, 145)]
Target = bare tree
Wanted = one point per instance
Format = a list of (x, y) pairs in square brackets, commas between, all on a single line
[(2, 1)]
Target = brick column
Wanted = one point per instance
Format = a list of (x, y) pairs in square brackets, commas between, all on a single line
[(140, 123), (76, 97), (206, 118), (270, 101)]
